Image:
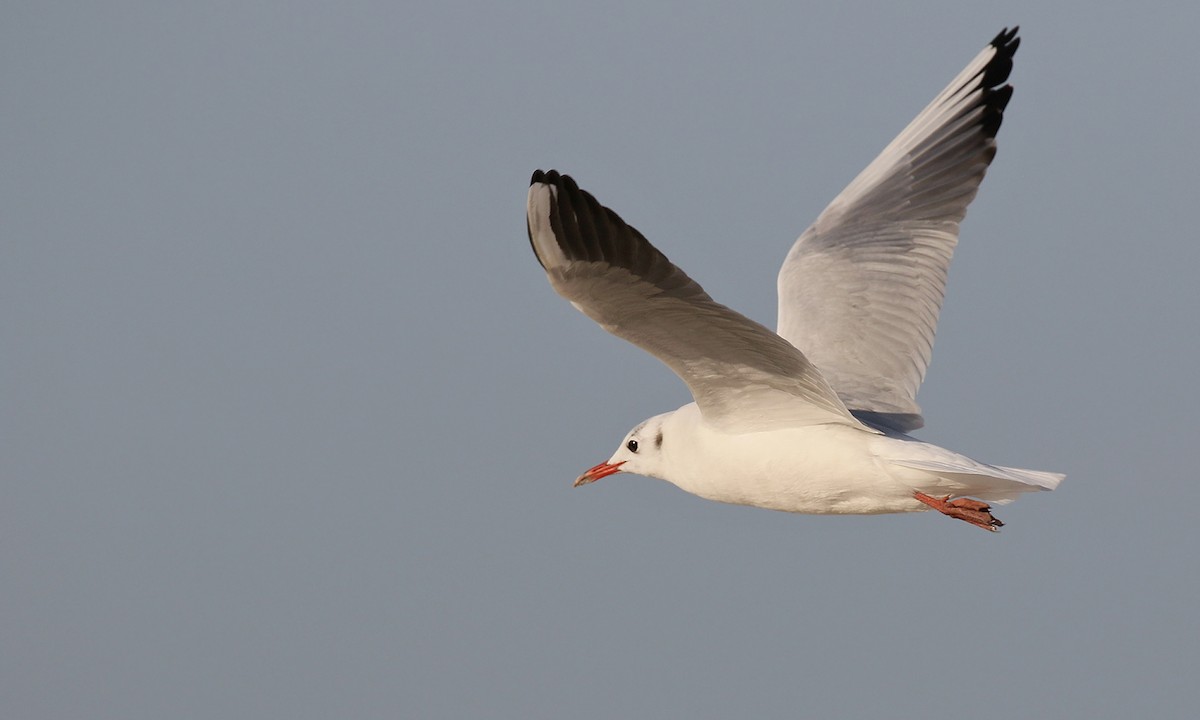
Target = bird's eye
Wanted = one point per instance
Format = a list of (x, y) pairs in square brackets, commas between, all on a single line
[(632, 445)]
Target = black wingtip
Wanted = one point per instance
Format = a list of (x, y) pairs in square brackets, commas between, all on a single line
[(995, 94), (998, 70), (579, 222), (587, 231), (553, 177), (1006, 37), (548, 176), (994, 102)]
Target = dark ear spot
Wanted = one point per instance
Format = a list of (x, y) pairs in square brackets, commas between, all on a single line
[(658, 441)]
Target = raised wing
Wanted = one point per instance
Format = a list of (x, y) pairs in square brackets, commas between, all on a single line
[(744, 377), (861, 289)]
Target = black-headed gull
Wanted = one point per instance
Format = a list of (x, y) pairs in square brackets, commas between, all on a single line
[(812, 419)]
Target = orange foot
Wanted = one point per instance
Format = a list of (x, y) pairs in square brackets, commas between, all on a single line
[(973, 511)]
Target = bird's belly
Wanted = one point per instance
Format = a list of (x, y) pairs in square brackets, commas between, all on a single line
[(817, 494), (817, 470)]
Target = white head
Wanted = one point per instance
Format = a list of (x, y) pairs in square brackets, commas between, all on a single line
[(640, 453)]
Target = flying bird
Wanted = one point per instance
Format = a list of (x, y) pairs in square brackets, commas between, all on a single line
[(813, 418)]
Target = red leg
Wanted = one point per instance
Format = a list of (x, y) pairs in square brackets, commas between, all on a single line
[(976, 512)]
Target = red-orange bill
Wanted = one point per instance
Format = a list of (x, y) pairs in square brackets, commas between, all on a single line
[(602, 470)]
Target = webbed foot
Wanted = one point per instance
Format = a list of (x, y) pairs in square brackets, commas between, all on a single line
[(976, 512)]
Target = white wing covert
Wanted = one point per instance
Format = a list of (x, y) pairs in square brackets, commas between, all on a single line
[(861, 289), (743, 377)]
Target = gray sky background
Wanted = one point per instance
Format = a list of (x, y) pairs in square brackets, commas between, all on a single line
[(291, 415)]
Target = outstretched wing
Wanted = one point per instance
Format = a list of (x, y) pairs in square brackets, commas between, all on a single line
[(743, 376), (861, 289)]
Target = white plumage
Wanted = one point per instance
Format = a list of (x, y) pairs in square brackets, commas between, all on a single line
[(811, 419)]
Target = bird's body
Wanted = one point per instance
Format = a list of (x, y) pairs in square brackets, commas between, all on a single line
[(812, 419), (830, 468), (819, 469)]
